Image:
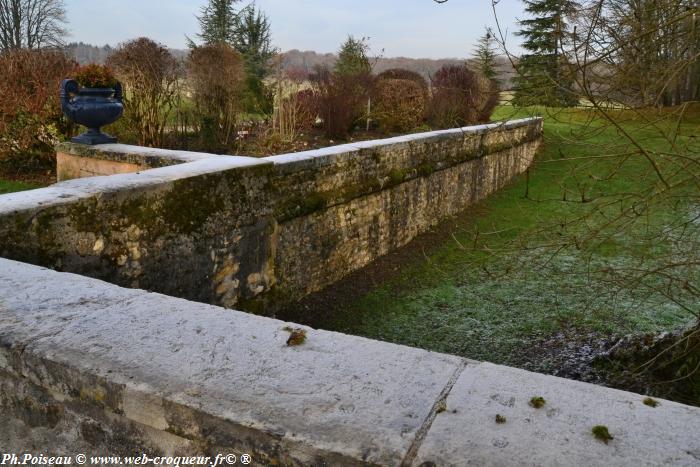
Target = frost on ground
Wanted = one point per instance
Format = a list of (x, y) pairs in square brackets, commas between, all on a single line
[(556, 319)]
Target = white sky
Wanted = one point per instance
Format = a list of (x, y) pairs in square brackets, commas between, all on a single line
[(411, 28)]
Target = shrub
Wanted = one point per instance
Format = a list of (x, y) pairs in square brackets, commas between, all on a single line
[(308, 108), (95, 76), (399, 104), (400, 73), (150, 73), (343, 94), (216, 76), (31, 120), (460, 97), (492, 100), (295, 107), (341, 100)]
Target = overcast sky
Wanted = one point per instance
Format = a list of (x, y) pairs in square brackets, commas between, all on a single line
[(411, 28)]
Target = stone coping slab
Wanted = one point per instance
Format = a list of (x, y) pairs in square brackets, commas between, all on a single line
[(158, 356), (328, 155), (196, 370), (140, 155), (559, 433), (71, 190)]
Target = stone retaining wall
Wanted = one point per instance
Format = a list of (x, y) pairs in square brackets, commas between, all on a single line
[(258, 233)]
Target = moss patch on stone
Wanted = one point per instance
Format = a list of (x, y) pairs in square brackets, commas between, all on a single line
[(537, 402), (397, 176), (441, 406), (426, 168), (299, 205), (190, 204), (602, 433), (297, 336)]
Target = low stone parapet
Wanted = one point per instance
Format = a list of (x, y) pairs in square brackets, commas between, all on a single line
[(81, 161), (87, 367)]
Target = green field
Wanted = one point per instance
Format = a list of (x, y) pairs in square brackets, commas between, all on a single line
[(501, 288)]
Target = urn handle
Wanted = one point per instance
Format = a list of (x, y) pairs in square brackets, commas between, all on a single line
[(68, 87), (118, 92)]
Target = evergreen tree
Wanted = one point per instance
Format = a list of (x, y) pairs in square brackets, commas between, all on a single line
[(253, 40), (543, 73), (218, 22), (485, 55), (352, 58)]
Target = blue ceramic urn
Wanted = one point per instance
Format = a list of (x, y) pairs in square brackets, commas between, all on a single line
[(92, 108)]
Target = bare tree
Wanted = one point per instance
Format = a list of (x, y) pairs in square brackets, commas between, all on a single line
[(150, 73), (31, 24), (635, 66), (216, 77)]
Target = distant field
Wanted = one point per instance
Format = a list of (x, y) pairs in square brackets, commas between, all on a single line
[(506, 97)]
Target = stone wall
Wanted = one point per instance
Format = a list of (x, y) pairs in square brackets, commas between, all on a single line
[(257, 233), (87, 367)]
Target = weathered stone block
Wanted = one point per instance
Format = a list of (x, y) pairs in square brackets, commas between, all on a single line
[(89, 367), (558, 433)]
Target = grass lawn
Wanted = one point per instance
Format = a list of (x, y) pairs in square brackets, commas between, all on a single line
[(486, 294), (10, 186)]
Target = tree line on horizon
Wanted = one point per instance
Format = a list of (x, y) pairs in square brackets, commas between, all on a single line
[(307, 60)]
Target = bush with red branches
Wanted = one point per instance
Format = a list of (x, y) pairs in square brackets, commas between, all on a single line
[(341, 100), (31, 120)]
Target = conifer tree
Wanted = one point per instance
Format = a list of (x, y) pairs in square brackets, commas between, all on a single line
[(543, 73), (352, 58), (485, 55), (253, 39), (218, 22)]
